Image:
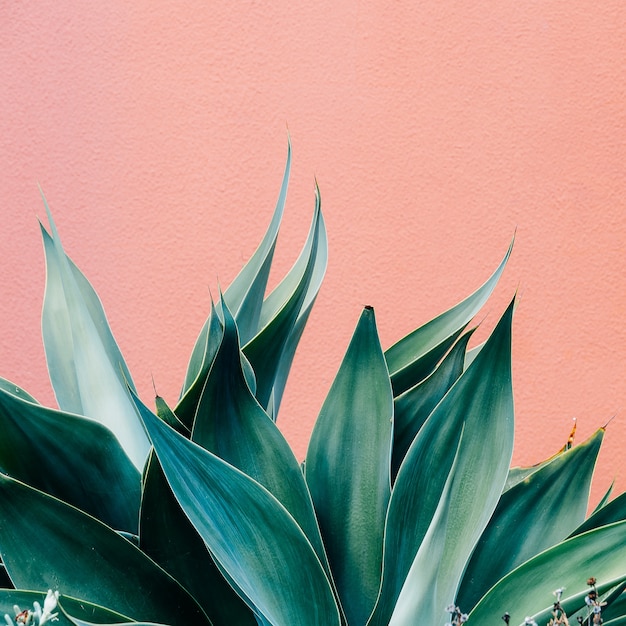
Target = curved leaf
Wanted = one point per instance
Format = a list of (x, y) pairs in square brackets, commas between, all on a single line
[(426, 337), (168, 537), (412, 408), (86, 367), (600, 553), (13, 389), (266, 349), (479, 404), (245, 294), (531, 516), (55, 546), (231, 424), (252, 536), (614, 511), (348, 469), (276, 299), (73, 458)]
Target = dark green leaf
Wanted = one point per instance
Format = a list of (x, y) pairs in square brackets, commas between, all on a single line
[(409, 349), (532, 516), (614, 511), (70, 457), (169, 538), (348, 469), (412, 407), (479, 405), (47, 544), (250, 534)]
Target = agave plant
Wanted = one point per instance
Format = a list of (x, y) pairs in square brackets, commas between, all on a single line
[(405, 510)]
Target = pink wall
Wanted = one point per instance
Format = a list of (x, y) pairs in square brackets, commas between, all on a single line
[(435, 129)]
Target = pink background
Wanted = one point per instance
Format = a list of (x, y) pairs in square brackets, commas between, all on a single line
[(436, 130)]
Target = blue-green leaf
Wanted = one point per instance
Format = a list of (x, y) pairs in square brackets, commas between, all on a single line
[(231, 424), (348, 467), (168, 537), (250, 534), (71, 457), (86, 367), (403, 353), (532, 516), (47, 544), (479, 404), (245, 294), (526, 590)]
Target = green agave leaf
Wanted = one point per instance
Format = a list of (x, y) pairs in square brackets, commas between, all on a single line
[(616, 609), (86, 367), (244, 296), (59, 547), (231, 424), (252, 536), (276, 300), (266, 349), (348, 469), (73, 458), (532, 516), (423, 366), (614, 511), (85, 610), (208, 342), (403, 353), (169, 417), (168, 537), (416, 595), (412, 408), (13, 389), (600, 553), (605, 498), (479, 404)]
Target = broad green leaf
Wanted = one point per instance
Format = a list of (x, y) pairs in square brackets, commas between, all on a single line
[(426, 337), (231, 424), (604, 500), (266, 349), (47, 544), (479, 404), (86, 367), (245, 294), (348, 469), (532, 516), (412, 408), (167, 536), (71, 457), (415, 597), (614, 511), (280, 295), (84, 610), (13, 389), (252, 536), (526, 590)]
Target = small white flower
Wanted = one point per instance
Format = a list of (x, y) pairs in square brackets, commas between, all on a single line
[(451, 608), (463, 618), (528, 621)]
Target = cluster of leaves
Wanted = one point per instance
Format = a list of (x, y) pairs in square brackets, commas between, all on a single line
[(200, 513)]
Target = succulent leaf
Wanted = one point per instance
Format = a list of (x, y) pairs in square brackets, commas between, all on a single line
[(231, 424), (47, 544), (352, 438), (479, 404), (252, 536), (418, 343), (532, 516), (87, 370), (168, 537), (525, 590), (71, 457)]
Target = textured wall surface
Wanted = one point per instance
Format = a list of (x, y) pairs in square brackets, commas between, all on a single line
[(435, 129)]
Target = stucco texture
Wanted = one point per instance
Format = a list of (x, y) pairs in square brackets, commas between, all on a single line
[(436, 130)]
